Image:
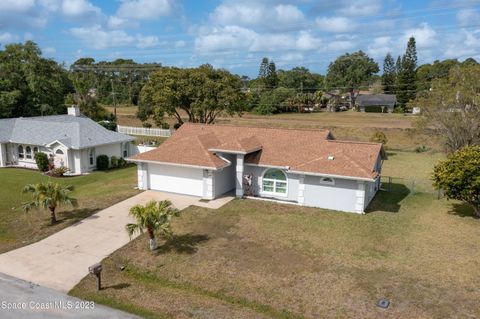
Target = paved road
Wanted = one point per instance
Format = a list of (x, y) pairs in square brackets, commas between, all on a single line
[(62, 260), (29, 299)]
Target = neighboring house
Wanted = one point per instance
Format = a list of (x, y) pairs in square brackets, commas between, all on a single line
[(71, 141), (307, 167), (377, 100)]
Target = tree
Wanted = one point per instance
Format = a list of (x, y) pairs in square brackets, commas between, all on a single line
[(350, 71), (379, 137), (452, 107), (272, 78), (154, 217), (406, 81), (202, 93), (389, 74), (459, 176), (31, 85), (300, 79), (274, 101), (263, 71), (41, 159), (49, 195), (428, 72)]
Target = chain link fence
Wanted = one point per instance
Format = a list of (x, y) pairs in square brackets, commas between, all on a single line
[(409, 185)]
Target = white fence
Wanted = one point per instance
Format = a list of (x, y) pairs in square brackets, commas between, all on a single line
[(144, 131)]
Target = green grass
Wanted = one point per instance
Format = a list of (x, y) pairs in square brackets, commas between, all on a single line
[(256, 259), (94, 191)]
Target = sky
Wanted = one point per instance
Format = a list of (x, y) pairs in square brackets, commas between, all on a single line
[(235, 34)]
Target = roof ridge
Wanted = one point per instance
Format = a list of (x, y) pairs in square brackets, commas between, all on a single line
[(353, 142), (261, 127)]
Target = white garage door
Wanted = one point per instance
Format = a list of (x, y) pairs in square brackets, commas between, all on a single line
[(176, 179)]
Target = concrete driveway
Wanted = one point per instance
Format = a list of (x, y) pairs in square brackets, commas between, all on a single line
[(62, 260)]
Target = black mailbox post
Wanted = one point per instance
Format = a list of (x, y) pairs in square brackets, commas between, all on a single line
[(96, 270)]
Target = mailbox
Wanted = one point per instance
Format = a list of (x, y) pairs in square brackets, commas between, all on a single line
[(96, 270)]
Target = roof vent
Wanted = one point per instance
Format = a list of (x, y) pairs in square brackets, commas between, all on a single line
[(331, 157)]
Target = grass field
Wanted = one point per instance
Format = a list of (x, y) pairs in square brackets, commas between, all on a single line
[(254, 259), (348, 125), (94, 191)]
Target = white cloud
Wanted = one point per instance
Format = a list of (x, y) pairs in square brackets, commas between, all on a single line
[(97, 38), (145, 9), (7, 37), (145, 42), (49, 50), (463, 44), (79, 9), (335, 24), (278, 17), (425, 36), (360, 7), (467, 16), (180, 44), (381, 46), (231, 38), (18, 6), (341, 45)]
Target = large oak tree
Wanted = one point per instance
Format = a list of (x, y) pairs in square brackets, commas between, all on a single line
[(201, 93)]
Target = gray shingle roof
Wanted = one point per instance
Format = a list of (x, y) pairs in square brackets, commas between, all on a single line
[(376, 100), (74, 132)]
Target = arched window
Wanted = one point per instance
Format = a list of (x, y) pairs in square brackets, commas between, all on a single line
[(274, 182), (59, 152), (28, 151), (21, 154), (35, 150)]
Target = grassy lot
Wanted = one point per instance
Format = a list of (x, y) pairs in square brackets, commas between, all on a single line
[(254, 259), (348, 125), (95, 191)]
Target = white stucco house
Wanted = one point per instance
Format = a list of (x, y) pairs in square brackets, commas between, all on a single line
[(72, 140), (304, 167)]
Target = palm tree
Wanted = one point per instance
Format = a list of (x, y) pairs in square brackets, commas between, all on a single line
[(49, 195), (153, 217)]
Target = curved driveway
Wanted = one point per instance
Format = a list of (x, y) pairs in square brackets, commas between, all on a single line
[(62, 260)]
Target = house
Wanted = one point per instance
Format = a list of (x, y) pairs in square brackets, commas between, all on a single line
[(305, 167), (376, 100), (71, 141)]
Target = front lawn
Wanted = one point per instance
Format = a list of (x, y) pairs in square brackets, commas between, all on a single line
[(255, 259), (94, 192)]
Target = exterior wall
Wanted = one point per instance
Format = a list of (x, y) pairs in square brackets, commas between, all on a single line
[(341, 196), (142, 175), (175, 179), (109, 150), (208, 184), (257, 182), (239, 166), (224, 180), (3, 155)]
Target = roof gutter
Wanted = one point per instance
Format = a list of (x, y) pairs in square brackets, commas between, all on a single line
[(335, 176), (132, 160)]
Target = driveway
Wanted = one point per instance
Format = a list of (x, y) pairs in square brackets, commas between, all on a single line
[(29, 299), (62, 260)]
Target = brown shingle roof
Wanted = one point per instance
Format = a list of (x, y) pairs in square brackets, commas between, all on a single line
[(299, 150)]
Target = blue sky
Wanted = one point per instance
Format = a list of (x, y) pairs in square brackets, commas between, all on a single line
[(235, 34)]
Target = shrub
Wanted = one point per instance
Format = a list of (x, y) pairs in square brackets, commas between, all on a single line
[(102, 162), (177, 126), (109, 125), (165, 126), (379, 137), (42, 161), (122, 162), (421, 149), (146, 125), (114, 162), (59, 171)]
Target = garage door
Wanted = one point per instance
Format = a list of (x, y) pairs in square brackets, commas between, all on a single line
[(175, 179)]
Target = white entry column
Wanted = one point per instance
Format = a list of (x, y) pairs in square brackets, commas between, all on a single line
[(208, 185), (239, 176), (3, 155), (301, 189)]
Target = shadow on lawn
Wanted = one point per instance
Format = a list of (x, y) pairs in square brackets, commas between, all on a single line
[(117, 286), (183, 244), (388, 200), (69, 218), (462, 210)]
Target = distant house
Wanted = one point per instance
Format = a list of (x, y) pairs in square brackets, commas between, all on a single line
[(71, 141), (381, 101), (305, 167)]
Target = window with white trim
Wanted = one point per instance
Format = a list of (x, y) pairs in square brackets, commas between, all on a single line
[(91, 156), (327, 181), (21, 154), (35, 150), (274, 182), (28, 152)]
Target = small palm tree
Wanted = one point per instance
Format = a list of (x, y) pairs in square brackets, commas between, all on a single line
[(49, 195), (153, 217)]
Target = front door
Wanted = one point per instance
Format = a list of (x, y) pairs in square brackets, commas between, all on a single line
[(59, 159)]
